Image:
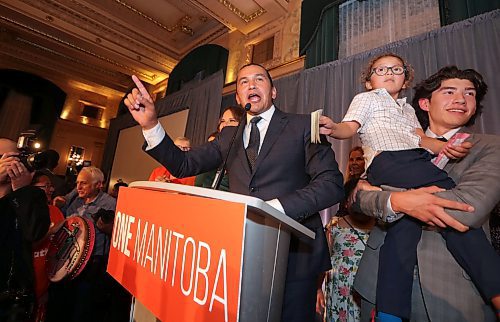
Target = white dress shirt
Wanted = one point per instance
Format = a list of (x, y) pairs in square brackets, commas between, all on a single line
[(156, 134)]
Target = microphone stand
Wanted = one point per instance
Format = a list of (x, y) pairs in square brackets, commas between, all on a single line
[(220, 172)]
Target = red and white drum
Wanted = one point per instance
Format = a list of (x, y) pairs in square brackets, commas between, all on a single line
[(70, 248)]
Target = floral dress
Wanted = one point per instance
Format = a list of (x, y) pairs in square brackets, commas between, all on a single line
[(347, 247)]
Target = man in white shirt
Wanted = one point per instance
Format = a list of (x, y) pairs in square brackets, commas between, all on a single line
[(442, 291), (272, 159)]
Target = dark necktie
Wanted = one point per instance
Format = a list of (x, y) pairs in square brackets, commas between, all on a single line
[(442, 138), (254, 142)]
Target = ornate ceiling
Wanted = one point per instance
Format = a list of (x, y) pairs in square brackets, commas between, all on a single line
[(95, 45)]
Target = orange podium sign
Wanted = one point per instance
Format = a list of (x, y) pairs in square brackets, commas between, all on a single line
[(179, 255)]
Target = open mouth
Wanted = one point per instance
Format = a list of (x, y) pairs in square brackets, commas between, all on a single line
[(253, 97)]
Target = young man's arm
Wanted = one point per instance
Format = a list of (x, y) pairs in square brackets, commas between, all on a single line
[(477, 178)]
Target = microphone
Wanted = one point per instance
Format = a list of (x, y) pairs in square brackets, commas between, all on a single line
[(222, 169)]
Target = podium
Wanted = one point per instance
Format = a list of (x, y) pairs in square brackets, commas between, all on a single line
[(258, 282)]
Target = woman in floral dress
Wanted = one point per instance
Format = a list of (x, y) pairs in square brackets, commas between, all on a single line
[(347, 235), (348, 238)]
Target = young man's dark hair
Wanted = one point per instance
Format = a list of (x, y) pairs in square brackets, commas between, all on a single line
[(425, 88)]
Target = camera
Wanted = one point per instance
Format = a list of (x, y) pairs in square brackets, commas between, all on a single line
[(31, 160), (107, 216)]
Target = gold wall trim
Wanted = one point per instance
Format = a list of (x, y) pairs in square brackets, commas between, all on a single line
[(247, 18), (68, 15), (75, 47), (180, 25)]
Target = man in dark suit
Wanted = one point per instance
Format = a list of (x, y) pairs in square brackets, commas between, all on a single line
[(449, 100), (272, 159)]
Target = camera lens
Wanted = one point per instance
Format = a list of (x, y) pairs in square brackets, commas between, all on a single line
[(33, 161)]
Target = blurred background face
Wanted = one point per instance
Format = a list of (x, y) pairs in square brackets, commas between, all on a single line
[(356, 163), (43, 182), (227, 119), (86, 186)]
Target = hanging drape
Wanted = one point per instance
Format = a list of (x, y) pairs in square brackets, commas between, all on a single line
[(332, 29), (324, 44), (451, 11), (15, 114), (472, 43), (369, 24)]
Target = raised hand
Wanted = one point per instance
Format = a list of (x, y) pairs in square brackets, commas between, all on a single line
[(141, 105), (19, 175), (6, 162)]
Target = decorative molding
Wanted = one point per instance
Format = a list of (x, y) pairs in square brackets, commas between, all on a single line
[(246, 18), (219, 18), (104, 29), (73, 46), (214, 35), (180, 25), (70, 58), (18, 57)]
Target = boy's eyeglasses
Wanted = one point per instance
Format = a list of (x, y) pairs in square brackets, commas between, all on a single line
[(382, 70)]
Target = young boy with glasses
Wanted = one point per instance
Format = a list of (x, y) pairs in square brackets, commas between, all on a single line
[(395, 151)]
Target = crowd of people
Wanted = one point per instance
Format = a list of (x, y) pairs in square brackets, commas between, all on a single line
[(409, 241)]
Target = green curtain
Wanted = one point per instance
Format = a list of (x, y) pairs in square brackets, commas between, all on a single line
[(319, 39), (201, 62), (451, 11), (48, 99), (324, 46), (319, 36)]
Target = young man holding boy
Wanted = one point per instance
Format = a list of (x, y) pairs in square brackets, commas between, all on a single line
[(442, 291)]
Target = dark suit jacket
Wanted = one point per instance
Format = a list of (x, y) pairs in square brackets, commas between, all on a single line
[(445, 291), (28, 207), (303, 176)]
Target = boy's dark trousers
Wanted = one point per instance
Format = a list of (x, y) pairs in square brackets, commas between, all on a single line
[(398, 255)]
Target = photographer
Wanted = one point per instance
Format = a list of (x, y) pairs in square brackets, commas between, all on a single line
[(24, 219), (89, 296)]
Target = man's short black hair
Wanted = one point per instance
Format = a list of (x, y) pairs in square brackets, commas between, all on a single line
[(425, 88), (254, 64)]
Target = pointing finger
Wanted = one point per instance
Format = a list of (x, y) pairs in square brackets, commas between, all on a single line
[(142, 89)]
